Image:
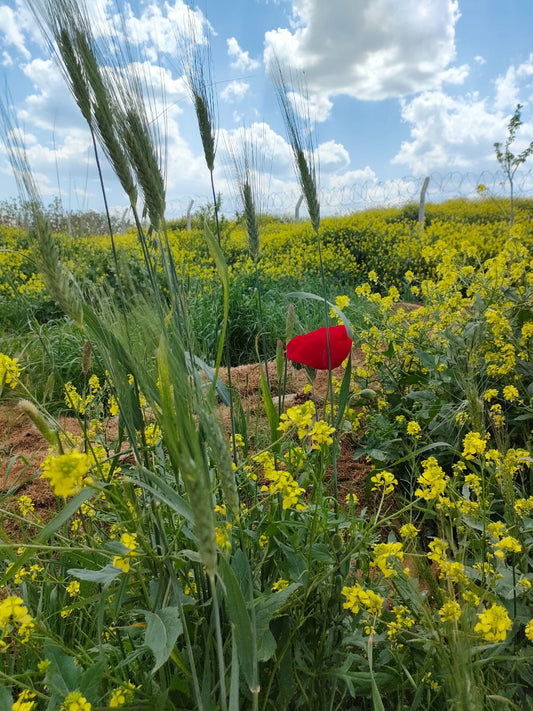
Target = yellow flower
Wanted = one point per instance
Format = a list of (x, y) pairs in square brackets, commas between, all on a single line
[(320, 434), (413, 428), (510, 393), (25, 505), (409, 530), (385, 555), (473, 444), (66, 472), (357, 597), (507, 543), (122, 695), (280, 585), (24, 701), (524, 507), (493, 624), (432, 480), (300, 416), (9, 371), (450, 611), (384, 480), (73, 588), (352, 499), (529, 630), (76, 702)]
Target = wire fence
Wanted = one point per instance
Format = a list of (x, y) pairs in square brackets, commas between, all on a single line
[(369, 192)]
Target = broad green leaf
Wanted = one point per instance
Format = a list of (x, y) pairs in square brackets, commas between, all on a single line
[(103, 575), (243, 632), (162, 631), (63, 674)]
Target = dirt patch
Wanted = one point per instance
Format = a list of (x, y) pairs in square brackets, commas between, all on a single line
[(23, 448)]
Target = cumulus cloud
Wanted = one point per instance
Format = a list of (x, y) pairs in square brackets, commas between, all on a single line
[(449, 133), (10, 27), (370, 49), (234, 91), (241, 60)]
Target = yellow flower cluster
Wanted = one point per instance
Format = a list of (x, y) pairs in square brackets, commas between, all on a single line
[(9, 371), (66, 472), (14, 615), (494, 623), (123, 562), (357, 597)]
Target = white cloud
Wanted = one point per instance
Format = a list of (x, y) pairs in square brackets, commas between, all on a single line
[(331, 155), (506, 90), (370, 49), (478, 59), (242, 62), (449, 133), (11, 29), (235, 91)]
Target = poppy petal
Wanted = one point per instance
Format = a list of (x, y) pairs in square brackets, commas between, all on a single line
[(311, 348)]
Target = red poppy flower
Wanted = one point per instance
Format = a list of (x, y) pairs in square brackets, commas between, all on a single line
[(312, 348)]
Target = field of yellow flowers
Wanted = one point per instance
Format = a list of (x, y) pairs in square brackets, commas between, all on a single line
[(192, 568)]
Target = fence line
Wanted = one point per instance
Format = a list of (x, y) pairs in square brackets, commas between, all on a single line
[(376, 193)]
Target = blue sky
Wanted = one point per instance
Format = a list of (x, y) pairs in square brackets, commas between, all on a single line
[(397, 89)]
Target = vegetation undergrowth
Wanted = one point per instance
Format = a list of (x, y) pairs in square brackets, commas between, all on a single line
[(190, 568)]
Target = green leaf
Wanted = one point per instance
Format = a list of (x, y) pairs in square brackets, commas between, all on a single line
[(63, 674), (271, 412), (103, 575), (243, 632), (162, 631)]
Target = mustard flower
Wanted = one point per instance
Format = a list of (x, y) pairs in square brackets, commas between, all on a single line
[(121, 696), (73, 588), (24, 702), (222, 537), (413, 428), (473, 443), (75, 701), (123, 562), (352, 499), (432, 480), (523, 507), (280, 585), (66, 472), (529, 630), (385, 555), (510, 393), (507, 543), (450, 611), (9, 371), (493, 624), (300, 416), (409, 531), (470, 597), (25, 505), (437, 550), (283, 483), (384, 480), (13, 613), (357, 597), (320, 434)]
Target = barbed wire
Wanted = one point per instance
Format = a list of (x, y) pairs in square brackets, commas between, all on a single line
[(370, 192)]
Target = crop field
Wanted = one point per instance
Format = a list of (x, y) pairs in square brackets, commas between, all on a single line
[(263, 465)]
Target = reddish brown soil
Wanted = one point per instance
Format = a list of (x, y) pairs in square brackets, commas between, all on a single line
[(23, 448)]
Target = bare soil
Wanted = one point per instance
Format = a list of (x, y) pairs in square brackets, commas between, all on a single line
[(23, 448)]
